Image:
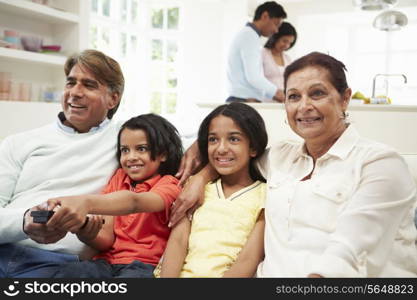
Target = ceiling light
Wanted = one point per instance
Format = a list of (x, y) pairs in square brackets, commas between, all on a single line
[(374, 4), (390, 20)]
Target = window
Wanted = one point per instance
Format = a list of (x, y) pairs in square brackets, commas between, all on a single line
[(367, 51), (143, 36), (164, 25)]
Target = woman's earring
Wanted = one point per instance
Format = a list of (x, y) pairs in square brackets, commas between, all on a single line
[(285, 121), (345, 116)]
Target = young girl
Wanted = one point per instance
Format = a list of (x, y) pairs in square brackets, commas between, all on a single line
[(142, 189), (225, 237)]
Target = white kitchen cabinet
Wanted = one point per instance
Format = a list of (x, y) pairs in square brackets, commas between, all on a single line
[(63, 23)]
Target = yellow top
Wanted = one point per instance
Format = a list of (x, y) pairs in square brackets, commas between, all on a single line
[(220, 228)]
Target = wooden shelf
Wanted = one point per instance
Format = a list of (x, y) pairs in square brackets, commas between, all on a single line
[(33, 10), (33, 57)]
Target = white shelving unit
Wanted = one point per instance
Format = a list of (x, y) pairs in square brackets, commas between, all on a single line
[(32, 57), (64, 23), (43, 13)]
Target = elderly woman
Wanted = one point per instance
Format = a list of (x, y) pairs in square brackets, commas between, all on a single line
[(338, 205)]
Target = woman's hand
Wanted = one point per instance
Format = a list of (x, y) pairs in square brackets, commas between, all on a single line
[(279, 96), (190, 163)]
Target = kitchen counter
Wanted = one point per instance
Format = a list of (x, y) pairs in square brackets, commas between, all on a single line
[(354, 107), (394, 125)]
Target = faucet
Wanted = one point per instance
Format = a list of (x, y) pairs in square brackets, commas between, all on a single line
[(386, 75)]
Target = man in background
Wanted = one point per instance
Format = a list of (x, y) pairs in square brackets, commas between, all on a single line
[(245, 76)]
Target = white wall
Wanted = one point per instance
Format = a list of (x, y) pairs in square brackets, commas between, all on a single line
[(209, 26)]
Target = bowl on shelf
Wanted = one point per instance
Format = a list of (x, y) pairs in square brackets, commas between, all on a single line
[(51, 48), (31, 43)]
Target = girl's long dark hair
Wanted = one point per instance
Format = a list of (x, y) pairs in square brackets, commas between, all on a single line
[(251, 123)]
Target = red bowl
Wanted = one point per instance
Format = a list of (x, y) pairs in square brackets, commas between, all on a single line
[(54, 48)]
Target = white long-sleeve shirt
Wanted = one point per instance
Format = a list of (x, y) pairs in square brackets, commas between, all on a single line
[(49, 162), (274, 72), (353, 218), (245, 74)]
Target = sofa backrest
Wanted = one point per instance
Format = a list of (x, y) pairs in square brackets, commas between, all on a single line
[(411, 160)]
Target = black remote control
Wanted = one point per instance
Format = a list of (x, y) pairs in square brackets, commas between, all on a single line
[(41, 216)]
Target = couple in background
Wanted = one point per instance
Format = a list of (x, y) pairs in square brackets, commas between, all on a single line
[(255, 74)]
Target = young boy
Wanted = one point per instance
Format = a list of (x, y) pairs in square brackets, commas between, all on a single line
[(142, 189)]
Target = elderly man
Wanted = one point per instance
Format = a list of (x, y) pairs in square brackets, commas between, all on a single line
[(74, 155)]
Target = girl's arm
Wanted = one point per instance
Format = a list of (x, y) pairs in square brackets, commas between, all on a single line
[(252, 253), (176, 249), (96, 234), (73, 209)]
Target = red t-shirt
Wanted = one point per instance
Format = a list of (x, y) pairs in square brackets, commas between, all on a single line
[(141, 236)]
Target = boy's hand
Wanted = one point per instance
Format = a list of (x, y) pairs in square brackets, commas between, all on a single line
[(91, 228), (71, 213)]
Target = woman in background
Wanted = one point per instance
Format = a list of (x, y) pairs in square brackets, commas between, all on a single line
[(274, 57)]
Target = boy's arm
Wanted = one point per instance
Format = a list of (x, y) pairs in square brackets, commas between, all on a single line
[(73, 209), (124, 202), (96, 234), (252, 253), (176, 250)]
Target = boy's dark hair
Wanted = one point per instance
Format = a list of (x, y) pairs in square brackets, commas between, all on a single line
[(283, 30), (251, 123), (274, 10), (163, 139)]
